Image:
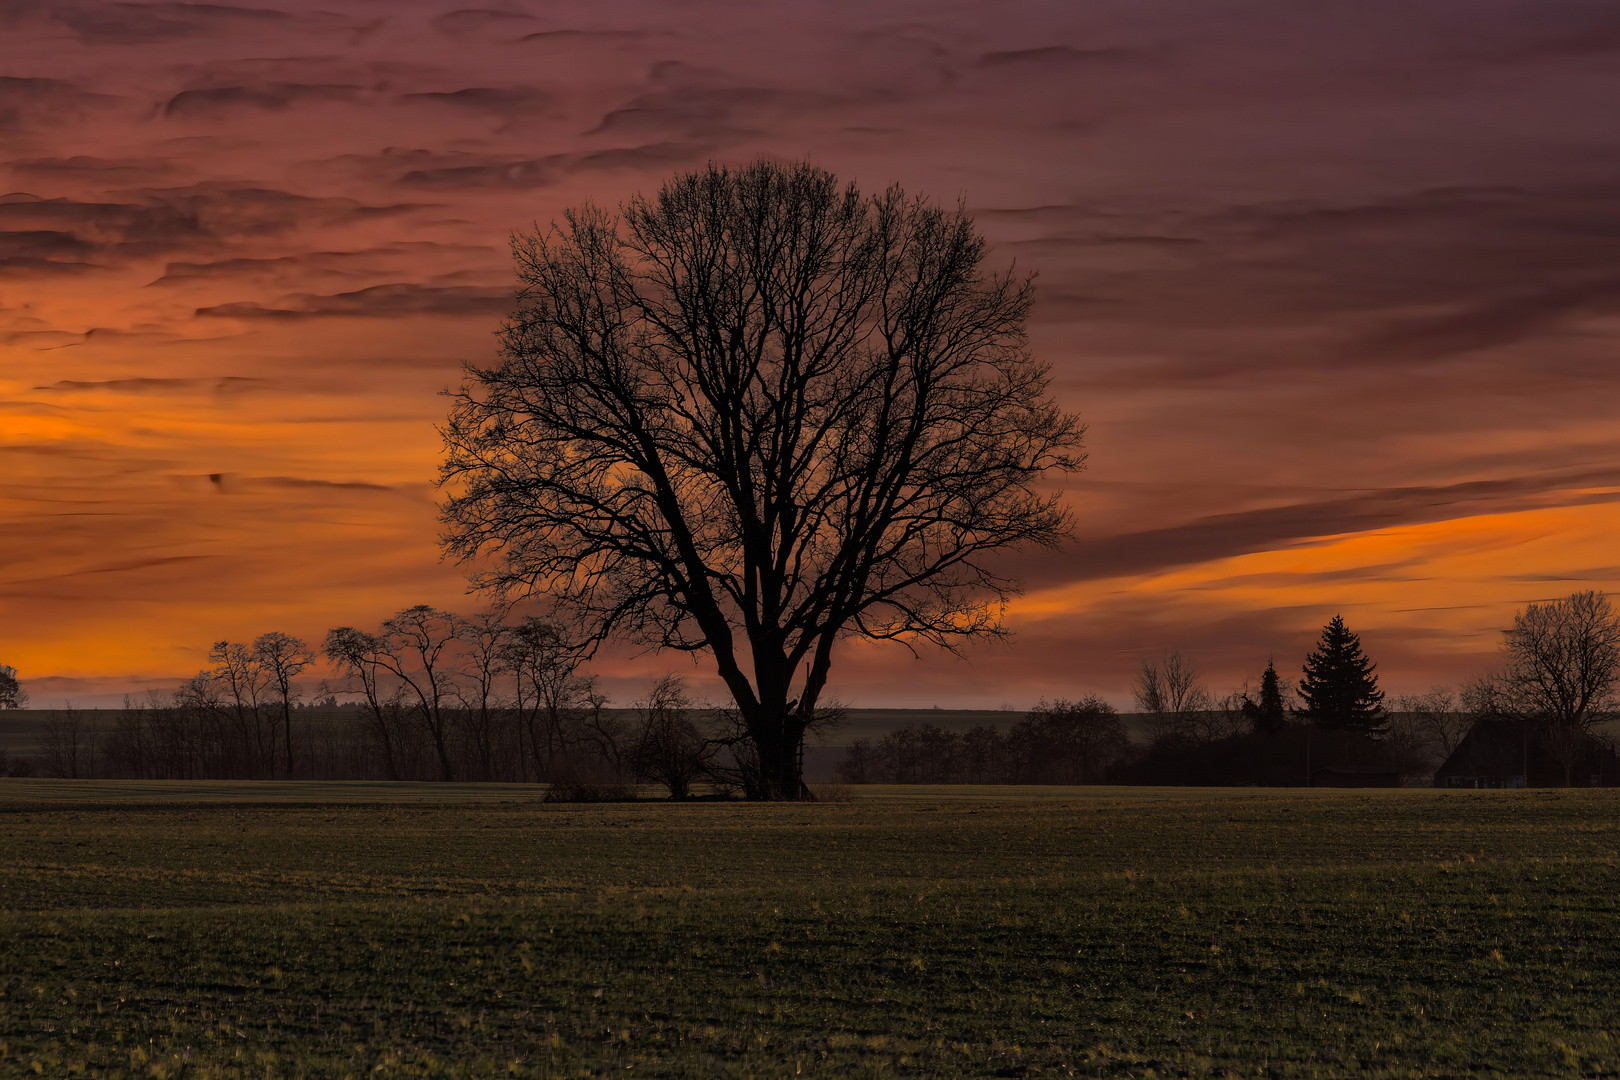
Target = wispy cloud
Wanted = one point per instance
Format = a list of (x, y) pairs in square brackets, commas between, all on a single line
[(152, 23), (375, 302), (265, 96), (1220, 536)]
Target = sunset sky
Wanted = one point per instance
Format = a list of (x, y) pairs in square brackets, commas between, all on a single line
[(1336, 287)]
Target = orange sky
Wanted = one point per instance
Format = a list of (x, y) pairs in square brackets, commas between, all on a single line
[(1335, 290)]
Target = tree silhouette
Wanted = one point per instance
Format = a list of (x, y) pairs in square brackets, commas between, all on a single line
[(1563, 661), (1340, 687), (552, 700), (283, 658), (483, 664), (669, 748), (237, 668), (418, 650), (753, 415), (1267, 715), (362, 659), (1171, 697), (12, 695)]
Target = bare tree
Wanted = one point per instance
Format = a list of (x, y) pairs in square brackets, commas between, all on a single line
[(12, 695), (69, 743), (752, 415), (415, 641), (738, 765), (1173, 701), (363, 661), (1484, 698), (670, 750), (1423, 730), (552, 698), (200, 722), (1223, 718), (1563, 661), (283, 658), (237, 669), (483, 658)]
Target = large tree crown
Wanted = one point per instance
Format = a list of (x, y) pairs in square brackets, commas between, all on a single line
[(1563, 660), (761, 401)]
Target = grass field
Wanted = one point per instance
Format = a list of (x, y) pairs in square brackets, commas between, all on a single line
[(905, 932)]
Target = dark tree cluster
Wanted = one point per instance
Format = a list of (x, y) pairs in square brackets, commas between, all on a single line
[(447, 697), (234, 720), (1184, 734), (1560, 674), (428, 695), (1177, 710), (12, 696), (1061, 742)]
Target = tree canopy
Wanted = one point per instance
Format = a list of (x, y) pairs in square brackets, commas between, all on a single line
[(1563, 660), (753, 414)]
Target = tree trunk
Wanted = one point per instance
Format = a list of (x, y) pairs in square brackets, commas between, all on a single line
[(286, 724), (446, 773), (779, 743)]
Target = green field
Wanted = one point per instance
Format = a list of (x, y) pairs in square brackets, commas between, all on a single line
[(903, 932)]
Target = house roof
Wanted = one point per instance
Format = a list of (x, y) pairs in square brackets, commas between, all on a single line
[(1505, 747)]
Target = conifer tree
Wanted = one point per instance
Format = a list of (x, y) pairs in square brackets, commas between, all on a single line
[(1267, 715), (1340, 687)]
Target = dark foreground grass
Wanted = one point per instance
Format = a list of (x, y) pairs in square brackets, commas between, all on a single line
[(1099, 933)]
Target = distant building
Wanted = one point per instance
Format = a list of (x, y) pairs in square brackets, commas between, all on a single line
[(1356, 776), (1515, 754)]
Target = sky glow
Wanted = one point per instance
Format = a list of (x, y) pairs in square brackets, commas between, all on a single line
[(1336, 288)]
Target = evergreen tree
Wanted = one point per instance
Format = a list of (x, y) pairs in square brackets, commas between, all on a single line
[(1267, 715), (1340, 689)]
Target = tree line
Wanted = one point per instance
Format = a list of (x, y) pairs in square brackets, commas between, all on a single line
[(435, 695), (1559, 670), (429, 695), (1060, 742)]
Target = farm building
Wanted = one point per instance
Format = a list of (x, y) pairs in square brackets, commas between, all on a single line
[(1512, 753)]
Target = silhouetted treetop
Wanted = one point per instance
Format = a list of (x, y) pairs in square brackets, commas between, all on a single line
[(1563, 661), (1267, 715), (12, 695)]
